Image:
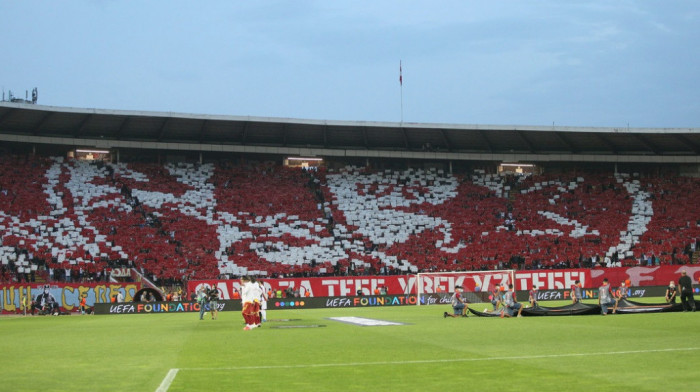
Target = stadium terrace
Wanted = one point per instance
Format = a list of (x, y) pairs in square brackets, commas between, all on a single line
[(165, 199)]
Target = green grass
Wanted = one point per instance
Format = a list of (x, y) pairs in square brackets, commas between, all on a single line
[(650, 352)]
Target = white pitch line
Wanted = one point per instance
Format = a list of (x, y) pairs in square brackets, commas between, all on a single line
[(347, 364), (165, 384)]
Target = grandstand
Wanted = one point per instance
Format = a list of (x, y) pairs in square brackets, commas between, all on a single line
[(180, 197)]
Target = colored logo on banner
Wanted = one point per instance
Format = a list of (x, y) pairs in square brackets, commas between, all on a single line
[(290, 304)]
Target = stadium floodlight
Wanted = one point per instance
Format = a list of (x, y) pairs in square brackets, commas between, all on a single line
[(305, 159), (92, 151)]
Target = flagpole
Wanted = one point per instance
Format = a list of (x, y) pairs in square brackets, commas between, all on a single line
[(401, 83), (402, 103)]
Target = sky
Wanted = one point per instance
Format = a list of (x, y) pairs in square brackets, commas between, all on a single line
[(597, 63)]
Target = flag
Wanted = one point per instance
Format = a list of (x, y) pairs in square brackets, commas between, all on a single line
[(400, 74)]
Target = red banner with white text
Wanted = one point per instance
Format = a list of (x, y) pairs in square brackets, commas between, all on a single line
[(406, 284)]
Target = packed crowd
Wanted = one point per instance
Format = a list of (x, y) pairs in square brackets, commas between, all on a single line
[(76, 221)]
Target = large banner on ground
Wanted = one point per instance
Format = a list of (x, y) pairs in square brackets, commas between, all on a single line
[(67, 295), (340, 286)]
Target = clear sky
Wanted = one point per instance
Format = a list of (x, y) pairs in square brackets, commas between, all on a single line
[(580, 63)]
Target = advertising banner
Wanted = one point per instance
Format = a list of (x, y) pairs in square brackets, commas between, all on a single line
[(406, 284), (592, 278), (337, 286), (274, 304), (442, 299), (161, 307), (66, 295)]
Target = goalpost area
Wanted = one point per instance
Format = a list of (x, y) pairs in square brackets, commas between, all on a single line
[(435, 288)]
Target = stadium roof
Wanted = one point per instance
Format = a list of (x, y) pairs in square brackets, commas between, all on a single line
[(177, 131)]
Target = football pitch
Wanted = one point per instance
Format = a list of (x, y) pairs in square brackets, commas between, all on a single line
[(306, 350)]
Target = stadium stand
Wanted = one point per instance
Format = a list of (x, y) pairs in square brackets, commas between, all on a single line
[(70, 219)]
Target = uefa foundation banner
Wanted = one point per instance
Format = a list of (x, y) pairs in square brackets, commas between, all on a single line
[(274, 304), (67, 295), (161, 307), (345, 286)]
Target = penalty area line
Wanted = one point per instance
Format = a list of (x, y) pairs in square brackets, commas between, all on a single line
[(169, 378), (350, 364)]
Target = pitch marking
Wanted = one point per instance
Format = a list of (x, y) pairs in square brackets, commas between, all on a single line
[(165, 384), (312, 365), (171, 374), (363, 322)]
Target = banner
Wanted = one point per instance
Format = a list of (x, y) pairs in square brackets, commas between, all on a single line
[(593, 278), (66, 295), (443, 299), (343, 286), (337, 286), (121, 272), (160, 307), (275, 304), (592, 293)]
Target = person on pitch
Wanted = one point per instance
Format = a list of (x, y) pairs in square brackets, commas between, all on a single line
[(83, 304), (496, 297), (247, 304), (213, 296), (620, 294), (263, 302), (533, 296), (671, 292), (511, 303), (576, 292), (250, 296), (686, 286), (459, 305), (202, 300), (605, 297)]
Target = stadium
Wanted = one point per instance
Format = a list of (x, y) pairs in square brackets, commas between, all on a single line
[(342, 221)]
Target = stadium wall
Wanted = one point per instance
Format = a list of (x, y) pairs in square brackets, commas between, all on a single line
[(341, 291)]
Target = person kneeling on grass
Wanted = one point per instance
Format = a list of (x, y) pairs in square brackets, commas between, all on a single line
[(459, 306), (533, 297), (671, 293), (496, 297), (511, 303)]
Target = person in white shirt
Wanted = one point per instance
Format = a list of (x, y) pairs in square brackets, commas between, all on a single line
[(250, 297), (263, 302), (256, 292)]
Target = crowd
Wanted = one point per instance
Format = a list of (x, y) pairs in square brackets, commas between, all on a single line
[(170, 247)]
